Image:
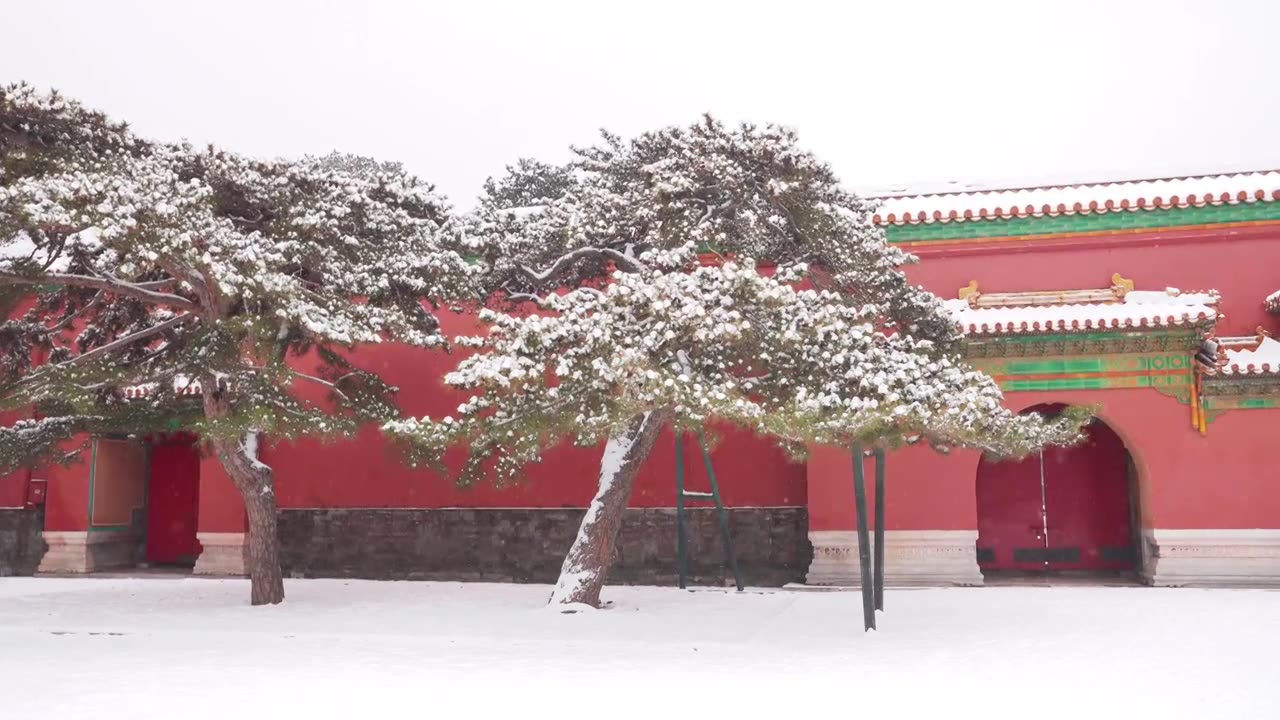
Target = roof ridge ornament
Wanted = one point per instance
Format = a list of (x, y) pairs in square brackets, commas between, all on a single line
[(1120, 287)]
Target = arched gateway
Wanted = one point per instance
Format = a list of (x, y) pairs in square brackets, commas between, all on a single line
[(1061, 509)]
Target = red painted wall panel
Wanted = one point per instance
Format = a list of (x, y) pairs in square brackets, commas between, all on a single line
[(1242, 270), (924, 490), (220, 509), (365, 472), (67, 504)]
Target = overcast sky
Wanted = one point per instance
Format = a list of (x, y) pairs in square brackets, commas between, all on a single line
[(887, 92)]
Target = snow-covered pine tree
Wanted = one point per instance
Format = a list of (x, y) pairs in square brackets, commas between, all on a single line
[(163, 265), (357, 165), (649, 334)]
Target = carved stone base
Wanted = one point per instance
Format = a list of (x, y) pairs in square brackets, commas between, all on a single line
[(1213, 558), (912, 558), (86, 552), (223, 554)]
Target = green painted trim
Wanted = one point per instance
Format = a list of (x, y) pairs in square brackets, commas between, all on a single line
[(1096, 383), (1071, 365), (1084, 223), (1223, 403)]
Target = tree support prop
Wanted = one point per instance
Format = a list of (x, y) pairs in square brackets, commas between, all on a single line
[(722, 518), (864, 541), (879, 560)]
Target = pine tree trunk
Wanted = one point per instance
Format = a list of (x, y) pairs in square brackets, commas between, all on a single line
[(266, 582), (256, 484), (585, 567), (254, 481)]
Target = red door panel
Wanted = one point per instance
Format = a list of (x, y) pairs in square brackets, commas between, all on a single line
[(1087, 503), (1009, 515), (173, 496)]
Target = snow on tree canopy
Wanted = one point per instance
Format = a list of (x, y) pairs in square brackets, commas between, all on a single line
[(722, 341), (152, 261), (746, 191)]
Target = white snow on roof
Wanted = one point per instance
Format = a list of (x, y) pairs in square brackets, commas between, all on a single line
[(1081, 198), (1264, 359), (1064, 178), (1139, 309)]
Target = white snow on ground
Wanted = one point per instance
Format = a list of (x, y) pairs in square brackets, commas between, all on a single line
[(192, 648)]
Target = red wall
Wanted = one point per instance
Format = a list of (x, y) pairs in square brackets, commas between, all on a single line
[(365, 472), (924, 490), (67, 503), (1223, 480), (220, 509), (1241, 266)]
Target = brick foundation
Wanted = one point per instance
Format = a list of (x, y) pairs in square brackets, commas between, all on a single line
[(21, 545), (528, 545)]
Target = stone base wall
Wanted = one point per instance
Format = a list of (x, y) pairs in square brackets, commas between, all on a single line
[(21, 544), (86, 552), (912, 558), (528, 545), (1212, 558), (220, 554)]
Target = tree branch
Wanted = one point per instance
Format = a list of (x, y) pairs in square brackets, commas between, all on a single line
[(128, 340), (139, 292), (71, 318), (622, 260), (321, 381)]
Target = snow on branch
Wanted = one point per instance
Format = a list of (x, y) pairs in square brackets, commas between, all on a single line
[(118, 287), (623, 261)]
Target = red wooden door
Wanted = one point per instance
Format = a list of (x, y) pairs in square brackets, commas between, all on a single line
[(1062, 509), (1087, 504), (173, 496), (1010, 515)]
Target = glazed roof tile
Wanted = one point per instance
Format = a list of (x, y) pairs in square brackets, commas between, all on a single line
[(1251, 355)]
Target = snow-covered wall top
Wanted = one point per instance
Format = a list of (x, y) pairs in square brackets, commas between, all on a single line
[(1138, 309), (1082, 198)]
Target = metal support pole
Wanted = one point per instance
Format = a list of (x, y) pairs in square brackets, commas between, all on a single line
[(864, 540), (681, 549), (727, 542), (879, 563)]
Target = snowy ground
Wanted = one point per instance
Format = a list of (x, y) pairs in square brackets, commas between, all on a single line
[(193, 648)]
